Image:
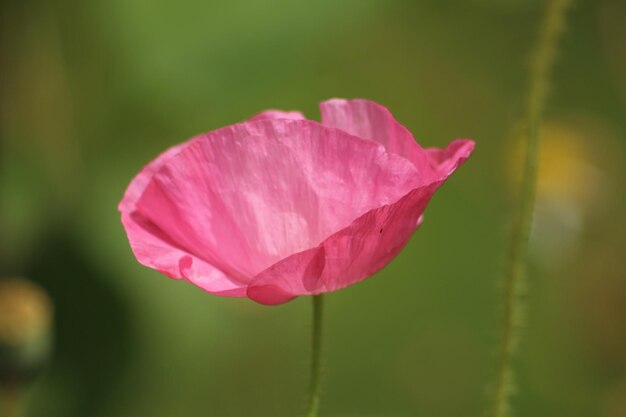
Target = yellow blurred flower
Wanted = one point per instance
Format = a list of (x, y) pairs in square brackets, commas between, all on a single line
[(25, 330), (25, 311), (575, 175)]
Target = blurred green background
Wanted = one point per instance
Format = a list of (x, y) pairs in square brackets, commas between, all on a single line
[(90, 91)]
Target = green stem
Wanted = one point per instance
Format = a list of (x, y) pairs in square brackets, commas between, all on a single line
[(542, 63), (316, 356)]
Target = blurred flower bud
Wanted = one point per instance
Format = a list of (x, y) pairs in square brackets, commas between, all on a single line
[(25, 330)]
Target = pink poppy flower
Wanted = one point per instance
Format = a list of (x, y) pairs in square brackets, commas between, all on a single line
[(280, 206)]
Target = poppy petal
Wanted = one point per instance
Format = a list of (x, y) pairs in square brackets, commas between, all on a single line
[(292, 184), (369, 120)]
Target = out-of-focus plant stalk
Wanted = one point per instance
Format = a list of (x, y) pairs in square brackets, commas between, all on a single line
[(316, 356), (542, 62)]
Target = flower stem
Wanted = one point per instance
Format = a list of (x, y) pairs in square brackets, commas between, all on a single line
[(316, 353), (541, 67)]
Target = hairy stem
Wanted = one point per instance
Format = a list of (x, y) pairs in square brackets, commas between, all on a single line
[(316, 356), (541, 67)]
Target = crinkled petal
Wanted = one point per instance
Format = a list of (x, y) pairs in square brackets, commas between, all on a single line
[(246, 196), (369, 120), (154, 249), (279, 206), (141, 180), (295, 275), (359, 250), (446, 161), (348, 256)]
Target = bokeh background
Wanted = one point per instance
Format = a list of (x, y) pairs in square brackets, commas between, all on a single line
[(90, 91)]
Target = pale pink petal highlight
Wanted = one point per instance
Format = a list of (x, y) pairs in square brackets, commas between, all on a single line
[(278, 114)]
